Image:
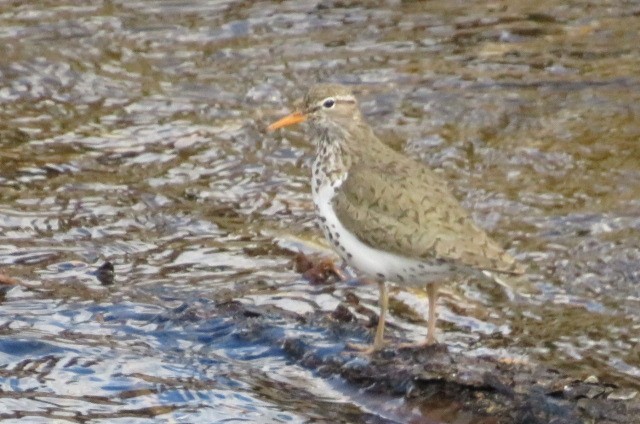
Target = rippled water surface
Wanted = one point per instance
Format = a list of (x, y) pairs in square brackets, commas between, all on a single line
[(133, 132)]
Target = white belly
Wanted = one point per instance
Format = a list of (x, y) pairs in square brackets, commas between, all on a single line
[(374, 263)]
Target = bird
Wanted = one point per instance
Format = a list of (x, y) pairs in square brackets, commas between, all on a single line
[(388, 216)]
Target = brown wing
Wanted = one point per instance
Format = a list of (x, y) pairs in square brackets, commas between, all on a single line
[(403, 207)]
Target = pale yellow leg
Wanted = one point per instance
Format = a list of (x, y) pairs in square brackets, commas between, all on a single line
[(378, 342), (432, 292)]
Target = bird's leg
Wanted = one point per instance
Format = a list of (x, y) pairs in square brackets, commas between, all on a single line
[(432, 293), (378, 342)]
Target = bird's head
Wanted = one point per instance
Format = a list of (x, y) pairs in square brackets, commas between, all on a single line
[(326, 107)]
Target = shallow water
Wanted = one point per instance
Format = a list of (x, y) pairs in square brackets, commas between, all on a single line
[(133, 133)]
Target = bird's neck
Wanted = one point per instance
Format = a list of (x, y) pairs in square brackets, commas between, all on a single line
[(332, 159)]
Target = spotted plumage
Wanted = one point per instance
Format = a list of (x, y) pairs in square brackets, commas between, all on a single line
[(387, 215)]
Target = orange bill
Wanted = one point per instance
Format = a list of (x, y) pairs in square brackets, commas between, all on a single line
[(294, 118)]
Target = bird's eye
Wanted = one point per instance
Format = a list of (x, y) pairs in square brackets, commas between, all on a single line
[(328, 103)]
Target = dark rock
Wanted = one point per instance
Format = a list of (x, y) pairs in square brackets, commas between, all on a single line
[(342, 314), (487, 389), (106, 274)]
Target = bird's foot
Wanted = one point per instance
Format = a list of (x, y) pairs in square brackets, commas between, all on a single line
[(426, 344), (364, 349)]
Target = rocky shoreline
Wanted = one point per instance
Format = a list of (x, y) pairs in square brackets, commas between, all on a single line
[(487, 389)]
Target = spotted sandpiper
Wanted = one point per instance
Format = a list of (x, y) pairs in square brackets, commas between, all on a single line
[(386, 215)]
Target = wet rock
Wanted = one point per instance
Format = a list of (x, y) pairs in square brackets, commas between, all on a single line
[(623, 394), (342, 313), (485, 388), (592, 379), (318, 271), (106, 274), (352, 299), (6, 284), (295, 348)]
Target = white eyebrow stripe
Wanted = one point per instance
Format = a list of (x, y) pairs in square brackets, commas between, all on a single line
[(346, 98)]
